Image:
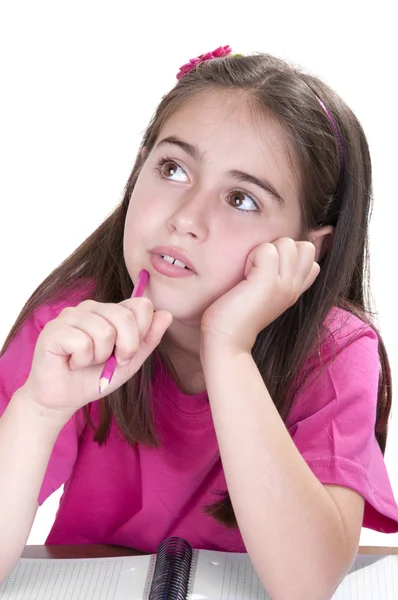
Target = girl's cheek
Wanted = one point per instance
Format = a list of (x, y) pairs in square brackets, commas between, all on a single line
[(231, 263)]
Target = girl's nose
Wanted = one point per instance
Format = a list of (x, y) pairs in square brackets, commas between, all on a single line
[(191, 218)]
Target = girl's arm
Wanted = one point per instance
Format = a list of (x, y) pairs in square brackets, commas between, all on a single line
[(302, 536), (27, 437)]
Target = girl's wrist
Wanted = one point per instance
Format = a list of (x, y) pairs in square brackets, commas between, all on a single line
[(215, 348), (44, 418)]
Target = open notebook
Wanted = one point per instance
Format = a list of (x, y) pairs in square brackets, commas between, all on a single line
[(177, 572)]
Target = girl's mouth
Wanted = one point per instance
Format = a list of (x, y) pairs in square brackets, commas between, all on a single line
[(174, 261)]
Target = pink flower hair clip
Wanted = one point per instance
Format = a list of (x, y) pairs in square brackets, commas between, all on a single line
[(217, 53)]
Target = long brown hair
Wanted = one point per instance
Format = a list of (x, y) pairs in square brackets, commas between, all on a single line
[(332, 192)]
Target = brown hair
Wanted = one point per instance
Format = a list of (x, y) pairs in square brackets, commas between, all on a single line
[(337, 195)]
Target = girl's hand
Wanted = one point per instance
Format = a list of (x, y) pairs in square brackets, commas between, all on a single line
[(71, 351), (275, 277)]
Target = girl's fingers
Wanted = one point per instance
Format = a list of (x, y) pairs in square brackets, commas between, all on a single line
[(309, 280), (111, 327), (306, 268), (162, 319), (287, 251), (72, 343)]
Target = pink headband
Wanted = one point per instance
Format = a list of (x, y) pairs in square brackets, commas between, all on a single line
[(217, 53), (335, 129), (225, 51)]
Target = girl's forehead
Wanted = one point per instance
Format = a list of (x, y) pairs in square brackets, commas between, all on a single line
[(215, 115)]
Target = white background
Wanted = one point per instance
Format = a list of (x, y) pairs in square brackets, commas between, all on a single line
[(80, 81)]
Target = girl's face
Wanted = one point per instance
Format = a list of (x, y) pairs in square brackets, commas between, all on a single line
[(218, 183)]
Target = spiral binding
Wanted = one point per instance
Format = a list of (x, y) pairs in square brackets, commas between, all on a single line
[(172, 570)]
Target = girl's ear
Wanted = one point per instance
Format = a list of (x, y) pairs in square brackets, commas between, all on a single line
[(144, 152), (322, 239)]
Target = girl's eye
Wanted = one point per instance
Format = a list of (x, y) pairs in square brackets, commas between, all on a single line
[(242, 201), (169, 169)]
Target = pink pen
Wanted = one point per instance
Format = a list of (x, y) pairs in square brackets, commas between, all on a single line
[(111, 363)]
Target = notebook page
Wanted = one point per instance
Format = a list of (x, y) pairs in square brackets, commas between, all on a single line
[(223, 576), (372, 577), (121, 578)]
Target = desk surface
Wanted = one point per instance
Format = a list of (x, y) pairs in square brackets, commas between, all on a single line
[(98, 551)]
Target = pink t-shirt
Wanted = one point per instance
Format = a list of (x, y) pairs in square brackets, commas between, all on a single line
[(116, 494)]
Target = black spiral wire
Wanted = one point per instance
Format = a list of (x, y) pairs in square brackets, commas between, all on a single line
[(172, 570)]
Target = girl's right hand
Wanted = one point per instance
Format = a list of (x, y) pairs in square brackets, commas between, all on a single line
[(72, 348)]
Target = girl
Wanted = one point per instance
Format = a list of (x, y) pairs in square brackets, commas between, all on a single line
[(249, 407)]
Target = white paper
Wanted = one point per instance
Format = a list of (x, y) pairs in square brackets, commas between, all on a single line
[(121, 578), (215, 576), (220, 576)]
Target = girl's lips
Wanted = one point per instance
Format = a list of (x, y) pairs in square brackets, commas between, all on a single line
[(175, 253), (165, 268)]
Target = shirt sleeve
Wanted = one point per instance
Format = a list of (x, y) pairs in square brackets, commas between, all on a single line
[(332, 424), (15, 365)]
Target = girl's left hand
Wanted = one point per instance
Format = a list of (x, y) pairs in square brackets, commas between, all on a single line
[(275, 277)]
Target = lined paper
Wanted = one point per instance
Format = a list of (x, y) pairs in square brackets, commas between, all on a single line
[(221, 576), (77, 579), (215, 576), (371, 578), (241, 581)]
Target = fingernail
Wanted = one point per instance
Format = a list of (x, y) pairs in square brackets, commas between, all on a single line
[(124, 363)]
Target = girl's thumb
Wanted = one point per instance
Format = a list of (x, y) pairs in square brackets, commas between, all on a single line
[(161, 321)]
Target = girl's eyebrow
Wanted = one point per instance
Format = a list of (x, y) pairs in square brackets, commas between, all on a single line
[(186, 146), (264, 184), (195, 153)]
